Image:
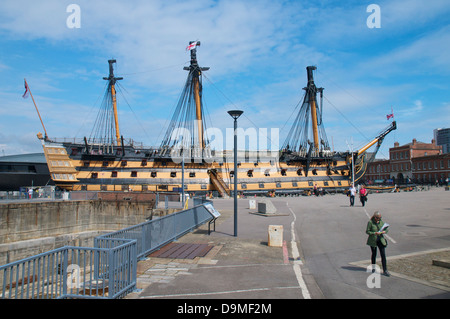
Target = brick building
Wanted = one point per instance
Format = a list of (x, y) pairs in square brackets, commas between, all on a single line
[(415, 162)]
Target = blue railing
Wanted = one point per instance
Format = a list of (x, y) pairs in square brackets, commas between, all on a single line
[(107, 270), (154, 234)]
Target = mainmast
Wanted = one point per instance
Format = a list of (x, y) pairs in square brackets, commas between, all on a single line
[(187, 130), (195, 71), (112, 88)]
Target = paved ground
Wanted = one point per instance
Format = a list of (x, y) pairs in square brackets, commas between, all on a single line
[(246, 267), (419, 267)]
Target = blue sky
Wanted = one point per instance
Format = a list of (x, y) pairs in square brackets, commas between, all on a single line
[(257, 50)]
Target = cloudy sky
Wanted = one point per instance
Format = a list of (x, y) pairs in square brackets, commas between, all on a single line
[(258, 52)]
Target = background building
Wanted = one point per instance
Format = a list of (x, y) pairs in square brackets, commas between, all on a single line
[(23, 170), (442, 137), (415, 162)]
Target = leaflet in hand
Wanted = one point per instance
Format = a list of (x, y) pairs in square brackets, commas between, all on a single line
[(385, 227)]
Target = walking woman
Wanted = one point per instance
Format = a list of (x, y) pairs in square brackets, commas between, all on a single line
[(363, 195), (376, 239)]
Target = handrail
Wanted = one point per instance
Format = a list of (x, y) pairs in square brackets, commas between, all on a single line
[(107, 270)]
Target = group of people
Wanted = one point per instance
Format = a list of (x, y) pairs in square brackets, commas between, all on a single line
[(362, 195), (318, 190)]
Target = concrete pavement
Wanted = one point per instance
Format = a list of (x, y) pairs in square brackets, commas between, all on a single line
[(246, 267), (243, 267)]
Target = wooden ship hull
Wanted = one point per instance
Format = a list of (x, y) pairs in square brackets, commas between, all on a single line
[(114, 164), (72, 169)]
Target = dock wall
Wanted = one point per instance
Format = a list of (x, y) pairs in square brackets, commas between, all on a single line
[(30, 228)]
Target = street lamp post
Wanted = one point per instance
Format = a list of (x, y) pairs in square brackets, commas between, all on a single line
[(235, 115)]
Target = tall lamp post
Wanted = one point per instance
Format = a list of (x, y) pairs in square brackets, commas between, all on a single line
[(235, 115)]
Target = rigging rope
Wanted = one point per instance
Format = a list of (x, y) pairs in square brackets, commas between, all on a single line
[(232, 103), (154, 70)]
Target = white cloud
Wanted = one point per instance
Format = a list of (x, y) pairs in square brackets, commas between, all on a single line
[(426, 54), (146, 35), (257, 51), (405, 16)]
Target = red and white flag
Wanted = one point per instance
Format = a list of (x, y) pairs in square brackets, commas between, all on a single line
[(388, 116), (191, 46), (27, 91)]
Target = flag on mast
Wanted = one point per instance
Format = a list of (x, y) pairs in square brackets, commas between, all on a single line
[(27, 91), (388, 116), (191, 46)]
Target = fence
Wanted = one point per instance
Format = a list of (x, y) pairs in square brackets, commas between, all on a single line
[(73, 272), (108, 270), (35, 193), (151, 235)]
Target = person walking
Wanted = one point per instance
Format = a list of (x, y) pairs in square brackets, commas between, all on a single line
[(363, 195), (352, 193), (376, 228)]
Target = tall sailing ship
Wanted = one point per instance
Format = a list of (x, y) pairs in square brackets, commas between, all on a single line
[(186, 159)]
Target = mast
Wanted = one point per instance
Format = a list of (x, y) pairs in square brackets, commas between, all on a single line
[(196, 72), (307, 134), (187, 128), (198, 111), (112, 83), (312, 90)]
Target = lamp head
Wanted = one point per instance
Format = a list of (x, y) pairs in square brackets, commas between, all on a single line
[(235, 113)]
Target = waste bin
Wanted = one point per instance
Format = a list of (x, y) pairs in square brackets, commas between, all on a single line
[(275, 236)]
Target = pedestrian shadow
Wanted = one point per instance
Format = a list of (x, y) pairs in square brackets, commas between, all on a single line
[(354, 268)]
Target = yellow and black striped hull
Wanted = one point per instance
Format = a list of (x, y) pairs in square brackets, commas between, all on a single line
[(71, 168)]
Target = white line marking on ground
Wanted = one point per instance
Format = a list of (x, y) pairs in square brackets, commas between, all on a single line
[(216, 292), (297, 261)]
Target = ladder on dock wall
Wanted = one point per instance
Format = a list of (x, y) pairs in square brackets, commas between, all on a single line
[(219, 183)]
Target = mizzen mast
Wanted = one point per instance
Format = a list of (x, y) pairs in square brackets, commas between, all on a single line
[(312, 91), (308, 124)]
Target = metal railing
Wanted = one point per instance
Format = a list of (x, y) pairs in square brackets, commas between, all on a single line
[(73, 272), (154, 234), (35, 193), (107, 270)]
